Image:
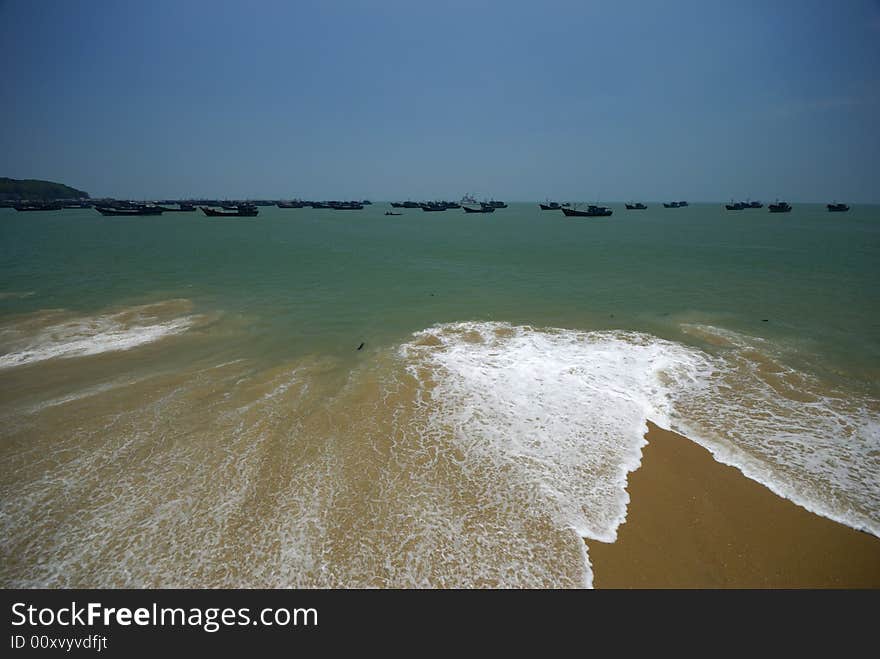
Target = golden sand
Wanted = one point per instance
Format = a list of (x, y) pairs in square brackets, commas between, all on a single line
[(695, 523)]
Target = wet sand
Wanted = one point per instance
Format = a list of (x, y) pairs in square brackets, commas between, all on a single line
[(695, 523)]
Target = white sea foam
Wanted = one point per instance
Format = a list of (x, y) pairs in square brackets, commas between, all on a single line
[(565, 412), (80, 337)]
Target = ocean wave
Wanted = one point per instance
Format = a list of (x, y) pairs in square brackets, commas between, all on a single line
[(573, 400), (564, 413), (55, 335)]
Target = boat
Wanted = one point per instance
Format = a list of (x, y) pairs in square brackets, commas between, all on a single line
[(754, 204), (390, 213), (165, 209), (480, 209), (290, 204), (780, 207), (592, 211), (397, 204), (737, 206), (241, 211), (673, 204), (682, 204), (552, 206), (638, 206), (837, 208), (433, 206), (136, 211), (496, 204), (411, 204)]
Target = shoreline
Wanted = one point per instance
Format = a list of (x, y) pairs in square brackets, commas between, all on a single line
[(693, 522)]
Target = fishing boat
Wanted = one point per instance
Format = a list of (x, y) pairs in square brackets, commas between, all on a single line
[(737, 206), (495, 204), (780, 207), (638, 206), (837, 208), (672, 204), (390, 213), (592, 211), (552, 206), (241, 211), (136, 211), (183, 208), (478, 209)]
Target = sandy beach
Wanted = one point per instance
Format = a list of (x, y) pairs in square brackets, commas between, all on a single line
[(695, 523)]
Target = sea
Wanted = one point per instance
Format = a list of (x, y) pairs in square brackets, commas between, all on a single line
[(344, 399)]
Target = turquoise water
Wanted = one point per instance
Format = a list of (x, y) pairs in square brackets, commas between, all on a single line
[(324, 281), (183, 339)]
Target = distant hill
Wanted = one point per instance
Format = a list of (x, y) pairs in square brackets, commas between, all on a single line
[(13, 189)]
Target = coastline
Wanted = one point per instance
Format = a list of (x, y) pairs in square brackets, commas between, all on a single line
[(693, 522)]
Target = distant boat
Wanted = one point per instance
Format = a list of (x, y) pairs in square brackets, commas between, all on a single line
[(481, 209), (290, 204), (592, 211), (184, 208), (780, 207), (390, 213), (673, 204), (837, 208), (682, 204), (411, 204), (396, 204), (638, 206), (494, 204), (754, 204), (552, 206), (738, 206), (140, 210), (241, 211)]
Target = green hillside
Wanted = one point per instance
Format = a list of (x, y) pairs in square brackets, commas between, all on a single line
[(13, 189)]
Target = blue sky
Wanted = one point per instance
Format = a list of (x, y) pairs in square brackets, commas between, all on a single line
[(621, 100)]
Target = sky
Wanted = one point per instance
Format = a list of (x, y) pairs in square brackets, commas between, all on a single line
[(590, 101)]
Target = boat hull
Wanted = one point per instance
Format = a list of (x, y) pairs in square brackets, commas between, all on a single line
[(210, 212), (598, 212)]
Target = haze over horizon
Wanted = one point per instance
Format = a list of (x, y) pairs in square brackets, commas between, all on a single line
[(704, 101)]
